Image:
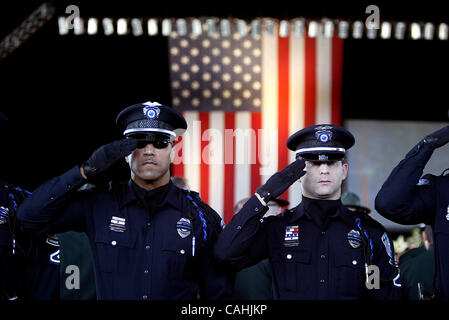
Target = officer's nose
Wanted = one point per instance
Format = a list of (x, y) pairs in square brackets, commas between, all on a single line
[(324, 168), (149, 149)]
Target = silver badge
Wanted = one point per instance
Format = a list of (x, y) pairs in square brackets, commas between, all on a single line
[(184, 227), (354, 238), (388, 248), (151, 110)]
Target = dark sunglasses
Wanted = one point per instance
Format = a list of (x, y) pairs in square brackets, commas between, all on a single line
[(158, 144)]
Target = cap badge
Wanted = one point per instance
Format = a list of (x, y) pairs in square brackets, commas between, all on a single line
[(151, 110), (354, 238), (323, 134), (184, 227)]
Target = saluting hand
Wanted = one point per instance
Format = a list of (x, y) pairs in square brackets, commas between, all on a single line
[(438, 138), (280, 181), (106, 156)]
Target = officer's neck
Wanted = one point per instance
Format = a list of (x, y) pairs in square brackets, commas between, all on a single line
[(150, 184), (320, 210)]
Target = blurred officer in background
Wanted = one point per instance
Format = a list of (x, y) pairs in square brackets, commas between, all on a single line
[(320, 249), (352, 201), (407, 198), (29, 264), (149, 238)]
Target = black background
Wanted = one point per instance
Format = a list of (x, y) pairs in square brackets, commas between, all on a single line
[(62, 93)]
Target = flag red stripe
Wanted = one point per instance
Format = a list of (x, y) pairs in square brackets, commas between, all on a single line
[(204, 178), (337, 73), (283, 102), (229, 153), (310, 82), (256, 124)]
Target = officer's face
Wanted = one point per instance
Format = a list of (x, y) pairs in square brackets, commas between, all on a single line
[(323, 179), (150, 165)]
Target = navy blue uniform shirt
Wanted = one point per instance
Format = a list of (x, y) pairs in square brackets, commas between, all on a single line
[(405, 198), (162, 254), (308, 262)]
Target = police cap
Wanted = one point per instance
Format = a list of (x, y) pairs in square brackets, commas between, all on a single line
[(322, 142), (151, 120), (351, 200)]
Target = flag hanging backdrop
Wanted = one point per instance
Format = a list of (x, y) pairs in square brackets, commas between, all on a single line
[(242, 97)]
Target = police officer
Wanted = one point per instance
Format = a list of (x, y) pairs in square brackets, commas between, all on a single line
[(149, 238), (29, 263), (320, 249), (407, 198)]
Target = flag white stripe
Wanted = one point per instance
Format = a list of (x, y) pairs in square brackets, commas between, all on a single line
[(216, 168), (242, 167), (324, 79), (192, 150), (269, 145)]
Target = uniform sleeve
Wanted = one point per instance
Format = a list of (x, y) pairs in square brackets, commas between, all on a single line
[(55, 206), (243, 242), (385, 268), (404, 197)]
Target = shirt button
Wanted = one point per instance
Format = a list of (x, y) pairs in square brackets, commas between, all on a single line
[(323, 233), (113, 242), (147, 247), (354, 262), (182, 251), (256, 209), (289, 256), (144, 297), (146, 271), (322, 281), (322, 256)]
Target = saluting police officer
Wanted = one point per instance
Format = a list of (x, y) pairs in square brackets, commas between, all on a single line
[(407, 198), (149, 238), (320, 249)]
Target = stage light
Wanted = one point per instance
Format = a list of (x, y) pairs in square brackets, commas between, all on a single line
[(225, 27), (415, 31), (78, 25), (283, 28), (242, 28), (196, 27), (443, 31), (313, 30), (357, 30), (152, 27), (92, 26), (181, 27), (255, 28), (122, 26), (136, 26), (328, 28), (399, 31), (429, 30), (63, 26), (108, 26), (385, 30), (299, 27), (166, 27), (343, 29)]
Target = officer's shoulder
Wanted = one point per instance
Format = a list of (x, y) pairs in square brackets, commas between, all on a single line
[(200, 205)]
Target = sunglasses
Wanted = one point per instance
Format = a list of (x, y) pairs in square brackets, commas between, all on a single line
[(158, 144)]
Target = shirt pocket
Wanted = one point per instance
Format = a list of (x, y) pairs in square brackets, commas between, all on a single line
[(177, 259), (292, 268), (349, 275), (115, 251)]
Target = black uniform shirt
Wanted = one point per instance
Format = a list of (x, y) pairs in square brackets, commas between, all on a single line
[(165, 254), (405, 198), (308, 262)]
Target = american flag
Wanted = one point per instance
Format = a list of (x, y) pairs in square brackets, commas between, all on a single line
[(242, 97), (291, 233)]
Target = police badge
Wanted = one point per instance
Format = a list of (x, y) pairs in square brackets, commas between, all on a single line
[(184, 227), (151, 111), (354, 238)]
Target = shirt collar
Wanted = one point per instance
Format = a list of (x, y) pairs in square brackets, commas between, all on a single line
[(128, 195), (343, 213)]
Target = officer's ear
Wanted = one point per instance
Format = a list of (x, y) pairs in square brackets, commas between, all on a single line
[(345, 168)]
